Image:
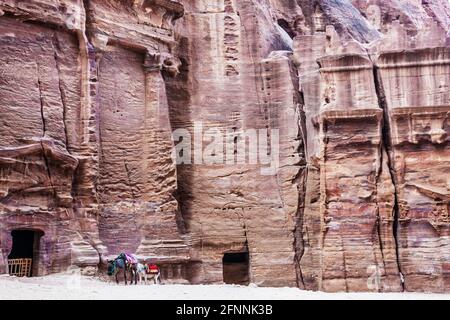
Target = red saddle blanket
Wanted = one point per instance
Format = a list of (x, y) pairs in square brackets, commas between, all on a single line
[(152, 268)]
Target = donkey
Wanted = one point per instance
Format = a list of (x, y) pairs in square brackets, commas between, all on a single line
[(123, 262), (144, 271)]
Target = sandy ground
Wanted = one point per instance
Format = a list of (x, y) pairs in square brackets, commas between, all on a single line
[(75, 287)]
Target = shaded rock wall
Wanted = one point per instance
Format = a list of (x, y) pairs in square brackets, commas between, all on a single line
[(357, 91), (234, 84)]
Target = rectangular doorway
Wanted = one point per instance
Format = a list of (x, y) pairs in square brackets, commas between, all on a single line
[(24, 252), (236, 268)]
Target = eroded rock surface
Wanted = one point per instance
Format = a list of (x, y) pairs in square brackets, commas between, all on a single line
[(357, 91)]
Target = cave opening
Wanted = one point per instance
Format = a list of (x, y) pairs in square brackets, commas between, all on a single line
[(236, 268), (23, 260)]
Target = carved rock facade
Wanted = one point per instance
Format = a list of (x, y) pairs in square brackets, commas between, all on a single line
[(91, 91)]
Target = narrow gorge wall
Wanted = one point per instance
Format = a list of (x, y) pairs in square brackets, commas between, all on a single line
[(91, 168), (348, 219), (239, 77), (416, 109), (95, 95), (367, 105)]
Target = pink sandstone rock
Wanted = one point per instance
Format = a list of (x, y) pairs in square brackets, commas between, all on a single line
[(357, 91)]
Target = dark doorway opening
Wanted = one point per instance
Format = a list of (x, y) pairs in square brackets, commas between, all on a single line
[(24, 256), (23, 243), (236, 268)]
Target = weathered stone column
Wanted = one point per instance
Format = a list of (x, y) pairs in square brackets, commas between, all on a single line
[(160, 232)]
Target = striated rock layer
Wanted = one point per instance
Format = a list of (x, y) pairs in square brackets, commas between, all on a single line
[(95, 94)]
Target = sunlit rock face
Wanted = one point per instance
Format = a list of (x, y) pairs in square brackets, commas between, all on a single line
[(94, 94), (47, 138), (350, 195), (376, 208), (416, 114), (86, 137)]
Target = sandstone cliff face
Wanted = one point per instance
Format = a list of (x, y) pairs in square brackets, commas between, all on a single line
[(359, 212), (235, 81), (357, 92), (86, 135)]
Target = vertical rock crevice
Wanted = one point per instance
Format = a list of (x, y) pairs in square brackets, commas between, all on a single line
[(301, 180), (387, 150), (44, 129), (299, 241), (56, 47), (41, 100)]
